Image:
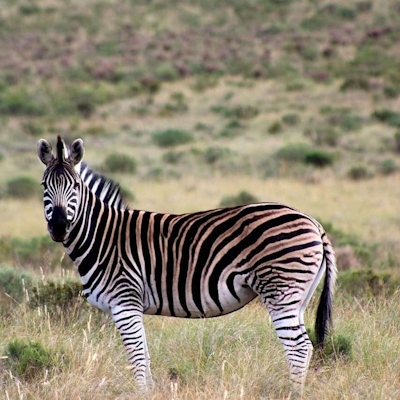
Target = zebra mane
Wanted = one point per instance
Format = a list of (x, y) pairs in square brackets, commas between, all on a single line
[(104, 188)]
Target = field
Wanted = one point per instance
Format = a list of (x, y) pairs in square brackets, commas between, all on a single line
[(189, 106)]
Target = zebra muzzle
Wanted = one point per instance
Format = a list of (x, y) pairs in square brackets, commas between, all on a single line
[(58, 226)]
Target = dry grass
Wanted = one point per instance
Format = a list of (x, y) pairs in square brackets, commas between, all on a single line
[(233, 357)]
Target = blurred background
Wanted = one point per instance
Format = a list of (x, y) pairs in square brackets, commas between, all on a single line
[(192, 105)]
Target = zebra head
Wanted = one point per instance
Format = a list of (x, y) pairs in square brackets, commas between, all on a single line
[(61, 184)]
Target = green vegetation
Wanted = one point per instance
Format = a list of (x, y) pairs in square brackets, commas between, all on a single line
[(303, 153), (172, 137), (28, 359), (241, 198), (23, 187), (122, 163)]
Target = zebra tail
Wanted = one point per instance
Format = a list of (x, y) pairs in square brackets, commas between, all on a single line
[(323, 320)]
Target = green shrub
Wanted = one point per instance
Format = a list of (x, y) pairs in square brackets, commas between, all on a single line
[(236, 112), (17, 101), (355, 83), (358, 172), (322, 135), (291, 119), (275, 128), (294, 152), (388, 166), (173, 157), (367, 282), (241, 198), (391, 92), (37, 251), (397, 141), (336, 346), (28, 359), (166, 71), (23, 187), (57, 296), (204, 82), (214, 154), (172, 137), (121, 163), (176, 105), (389, 117), (13, 282), (33, 128), (319, 158)]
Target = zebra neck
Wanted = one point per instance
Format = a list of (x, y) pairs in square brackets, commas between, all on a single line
[(92, 235)]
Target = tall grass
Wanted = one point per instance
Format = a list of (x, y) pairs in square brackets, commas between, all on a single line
[(237, 356)]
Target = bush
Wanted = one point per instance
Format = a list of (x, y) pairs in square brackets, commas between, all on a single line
[(367, 282), (237, 112), (166, 71), (172, 137), (388, 166), (173, 157), (319, 158), (38, 251), (241, 198), (275, 127), (214, 154), (291, 119), (322, 135), (336, 346), (13, 282), (17, 101), (23, 187), (358, 172), (355, 83), (397, 141), (33, 128), (57, 296), (122, 163), (388, 117), (28, 359)]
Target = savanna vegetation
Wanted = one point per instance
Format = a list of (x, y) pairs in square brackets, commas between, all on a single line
[(194, 105)]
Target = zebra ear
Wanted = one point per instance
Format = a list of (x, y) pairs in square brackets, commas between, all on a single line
[(44, 152), (77, 151)]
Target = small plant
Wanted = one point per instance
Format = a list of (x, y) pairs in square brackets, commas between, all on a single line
[(13, 282), (319, 158), (33, 128), (355, 83), (166, 71), (214, 154), (397, 141), (358, 172), (368, 282), (23, 187), (336, 346), (120, 163), (388, 166), (241, 198), (275, 128), (173, 157), (57, 296), (172, 137), (389, 117), (28, 359), (322, 135), (291, 119)]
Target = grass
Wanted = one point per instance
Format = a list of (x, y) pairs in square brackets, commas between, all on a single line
[(210, 357)]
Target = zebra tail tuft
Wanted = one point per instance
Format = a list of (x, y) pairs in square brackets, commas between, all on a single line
[(323, 320)]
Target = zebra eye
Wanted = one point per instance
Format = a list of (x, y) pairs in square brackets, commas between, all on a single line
[(44, 184), (76, 184)]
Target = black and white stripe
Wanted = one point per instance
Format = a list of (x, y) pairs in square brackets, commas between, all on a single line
[(203, 264)]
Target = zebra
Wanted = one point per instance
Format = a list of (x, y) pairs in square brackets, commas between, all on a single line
[(196, 265)]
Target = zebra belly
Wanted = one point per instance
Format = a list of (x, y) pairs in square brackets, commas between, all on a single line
[(227, 304)]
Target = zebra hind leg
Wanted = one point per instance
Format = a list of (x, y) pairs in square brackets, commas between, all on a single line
[(287, 317)]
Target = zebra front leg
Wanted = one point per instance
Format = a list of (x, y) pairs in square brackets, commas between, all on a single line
[(129, 323)]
